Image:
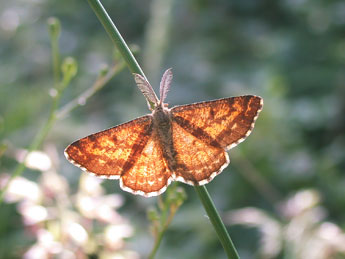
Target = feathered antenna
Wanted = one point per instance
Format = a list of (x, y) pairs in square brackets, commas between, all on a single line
[(146, 89), (165, 84)]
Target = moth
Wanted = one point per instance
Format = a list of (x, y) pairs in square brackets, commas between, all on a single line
[(186, 143)]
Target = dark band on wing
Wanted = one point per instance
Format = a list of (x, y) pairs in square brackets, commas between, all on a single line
[(244, 120), (137, 148), (196, 131)]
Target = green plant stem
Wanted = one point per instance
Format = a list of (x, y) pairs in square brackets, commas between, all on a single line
[(41, 135), (55, 60), (34, 145), (54, 31), (158, 242), (217, 222), (116, 37), (56, 114), (97, 85), (135, 68), (168, 207)]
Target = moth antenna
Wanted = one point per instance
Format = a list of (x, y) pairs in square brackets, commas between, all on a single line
[(146, 89), (165, 84)]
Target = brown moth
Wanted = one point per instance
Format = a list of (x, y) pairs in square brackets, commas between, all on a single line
[(186, 143)]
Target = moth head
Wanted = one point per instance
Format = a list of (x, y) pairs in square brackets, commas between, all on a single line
[(147, 90)]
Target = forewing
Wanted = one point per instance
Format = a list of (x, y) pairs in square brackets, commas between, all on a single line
[(107, 153), (149, 174), (220, 123), (196, 162)]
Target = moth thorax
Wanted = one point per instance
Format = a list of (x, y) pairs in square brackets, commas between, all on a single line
[(161, 117)]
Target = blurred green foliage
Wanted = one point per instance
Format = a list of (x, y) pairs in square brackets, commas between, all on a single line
[(292, 53)]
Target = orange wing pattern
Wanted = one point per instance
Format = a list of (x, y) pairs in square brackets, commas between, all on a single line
[(202, 132), (197, 162), (150, 175), (133, 152), (220, 123), (111, 152)]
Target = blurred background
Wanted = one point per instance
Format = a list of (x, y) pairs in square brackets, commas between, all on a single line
[(283, 194)]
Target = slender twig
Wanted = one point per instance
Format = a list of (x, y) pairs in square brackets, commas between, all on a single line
[(217, 222), (134, 67), (168, 207), (117, 39), (59, 86), (97, 85), (58, 114), (159, 238), (38, 140), (54, 30)]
